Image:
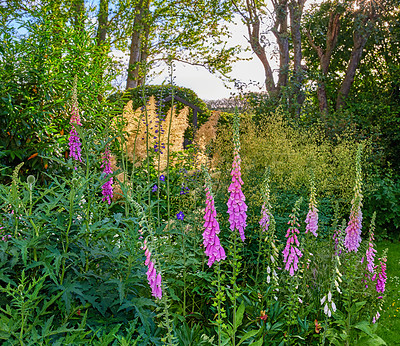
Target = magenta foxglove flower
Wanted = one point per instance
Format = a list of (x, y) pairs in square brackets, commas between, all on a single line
[(107, 188), (291, 252), (75, 145), (376, 317), (312, 221), (211, 242), (75, 117), (312, 216), (381, 280), (153, 278), (236, 204), (74, 140), (353, 231), (264, 222), (370, 254)]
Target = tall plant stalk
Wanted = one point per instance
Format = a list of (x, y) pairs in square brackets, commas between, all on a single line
[(168, 151)]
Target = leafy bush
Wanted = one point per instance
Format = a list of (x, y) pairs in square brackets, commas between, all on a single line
[(37, 82), (383, 196)]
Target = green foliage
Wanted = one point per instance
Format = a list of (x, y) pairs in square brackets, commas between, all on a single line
[(383, 196), (40, 61), (87, 260), (291, 154), (390, 321)]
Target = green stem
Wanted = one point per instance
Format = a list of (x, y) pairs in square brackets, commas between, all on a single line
[(147, 144), (219, 305), (184, 274), (87, 235), (159, 160), (65, 247), (168, 138), (258, 256), (234, 289), (21, 335)]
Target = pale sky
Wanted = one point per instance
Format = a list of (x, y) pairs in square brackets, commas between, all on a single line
[(210, 87)]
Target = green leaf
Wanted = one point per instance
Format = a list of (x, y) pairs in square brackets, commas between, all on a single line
[(259, 342), (364, 326), (239, 314), (359, 305), (248, 335), (368, 341)]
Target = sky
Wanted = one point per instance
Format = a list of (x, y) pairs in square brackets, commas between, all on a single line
[(208, 86)]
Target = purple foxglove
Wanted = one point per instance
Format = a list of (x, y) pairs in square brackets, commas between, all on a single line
[(153, 278), (381, 280), (264, 222), (107, 188), (236, 204), (353, 231), (291, 252), (211, 242), (312, 216)]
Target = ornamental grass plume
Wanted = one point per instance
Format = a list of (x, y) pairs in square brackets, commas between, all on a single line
[(236, 204), (155, 131), (211, 242), (107, 188), (353, 231), (312, 216), (204, 136), (291, 253)]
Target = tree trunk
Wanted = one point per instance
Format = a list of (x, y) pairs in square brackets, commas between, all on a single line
[(103, 21), (322, 99), (296, 11), (254, 38), (101, 39), (280, 30), (79, 14), (135, 48), (360, 39), (325, 58), (144, 52)]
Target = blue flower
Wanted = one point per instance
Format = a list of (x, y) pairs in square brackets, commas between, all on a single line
[(180, 216), (154, 188), (162, 178)]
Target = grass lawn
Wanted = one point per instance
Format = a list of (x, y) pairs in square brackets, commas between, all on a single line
[(389, 323)]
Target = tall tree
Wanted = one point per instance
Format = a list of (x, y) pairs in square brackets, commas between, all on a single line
[(357, 18), (139, 46), (286, 27), (189, 32), (365, 17), (102, 20)]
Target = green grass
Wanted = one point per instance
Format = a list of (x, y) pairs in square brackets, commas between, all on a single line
[(389, 323)]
